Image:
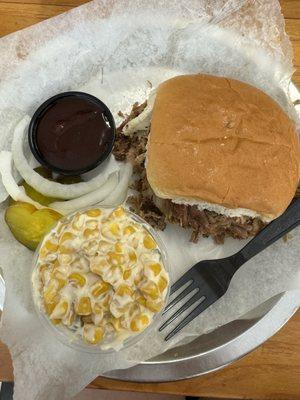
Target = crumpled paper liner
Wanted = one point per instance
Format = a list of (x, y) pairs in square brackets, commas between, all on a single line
[(119, 59)]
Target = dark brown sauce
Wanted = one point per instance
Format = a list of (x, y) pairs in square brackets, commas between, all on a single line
[(73, 134)]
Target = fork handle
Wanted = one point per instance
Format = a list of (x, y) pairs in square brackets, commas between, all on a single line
[(272, 232)]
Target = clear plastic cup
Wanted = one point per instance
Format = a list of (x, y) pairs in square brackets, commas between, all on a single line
[(65, 334)]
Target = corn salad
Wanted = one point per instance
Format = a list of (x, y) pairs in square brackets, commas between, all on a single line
[(100, 274)]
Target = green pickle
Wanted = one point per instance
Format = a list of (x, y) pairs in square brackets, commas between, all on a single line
[(68, 180), (28, 224), (44, 172), (36, 196)]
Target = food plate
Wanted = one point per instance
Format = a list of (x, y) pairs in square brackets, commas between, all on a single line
[(219, 348)]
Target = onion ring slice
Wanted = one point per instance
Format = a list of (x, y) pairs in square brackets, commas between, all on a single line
[(89, 199), (15, 191), (49, 188), (118, 196)]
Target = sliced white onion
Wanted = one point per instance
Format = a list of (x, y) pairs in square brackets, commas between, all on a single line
[(49, 188), (142, 121), (118, 196), (90, 199), (15, 191)]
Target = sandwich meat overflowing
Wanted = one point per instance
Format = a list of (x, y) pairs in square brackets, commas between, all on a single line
[(211, 154)]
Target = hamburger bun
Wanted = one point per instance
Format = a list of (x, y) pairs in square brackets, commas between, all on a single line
[(223, 145)]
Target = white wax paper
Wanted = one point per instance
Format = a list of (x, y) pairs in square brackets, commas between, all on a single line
[(117, 51)]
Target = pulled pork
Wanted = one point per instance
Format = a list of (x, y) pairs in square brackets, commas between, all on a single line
[(208, 223), (157, 212), (131, 148), (135, 112)]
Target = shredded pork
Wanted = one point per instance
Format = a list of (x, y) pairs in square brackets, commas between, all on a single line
[(208, 223)]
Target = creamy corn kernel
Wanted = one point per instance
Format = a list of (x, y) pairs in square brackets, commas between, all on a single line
[(49, 307), (51, 291), (92, 334), (60, 310), (139, 323), (117, 324), (97, 308), (155, 268), (115, 258), (77, 279), (55, 321), (162, 283), (126, 274), (66, 237), (90, 233), (112, 274), (154, 306), (132, 256), (98, 265), (101, 275), (149, 242), (129, 230), (93, 213), (119, 248), (141, 300), (51, 246), (83, 306), (119, 212), (150, 289), (114, 228), (99, 288), (124, 290), (65, 250), (78, 222)]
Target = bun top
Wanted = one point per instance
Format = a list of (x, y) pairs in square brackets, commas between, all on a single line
[(222, 142)]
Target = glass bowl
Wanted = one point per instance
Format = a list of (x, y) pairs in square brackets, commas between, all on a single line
[(65, 334)]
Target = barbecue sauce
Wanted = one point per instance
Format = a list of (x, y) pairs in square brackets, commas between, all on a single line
[(74, 134)]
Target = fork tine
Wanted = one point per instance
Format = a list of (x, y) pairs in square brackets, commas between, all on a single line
[(181, 295), (189, 303), (192, 315), (181, 281)]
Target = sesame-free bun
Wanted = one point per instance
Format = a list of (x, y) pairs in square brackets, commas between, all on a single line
[(223, 145)]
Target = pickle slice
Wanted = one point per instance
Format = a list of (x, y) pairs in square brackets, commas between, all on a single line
[(36, 196), (28, 224), (45, 200), (68, 180), (44, 172)]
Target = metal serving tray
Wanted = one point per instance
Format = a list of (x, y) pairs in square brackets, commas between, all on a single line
[(219, 348)]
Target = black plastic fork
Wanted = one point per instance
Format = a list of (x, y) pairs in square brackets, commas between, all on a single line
[(211, 278)]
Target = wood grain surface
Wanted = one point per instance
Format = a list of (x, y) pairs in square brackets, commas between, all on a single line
[(272, 372)]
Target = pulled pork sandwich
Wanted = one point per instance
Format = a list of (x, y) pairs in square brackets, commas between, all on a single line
[(211, 154)]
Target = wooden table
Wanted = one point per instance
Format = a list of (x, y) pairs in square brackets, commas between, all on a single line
[(272, 371)]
